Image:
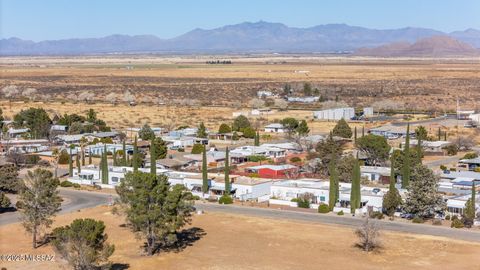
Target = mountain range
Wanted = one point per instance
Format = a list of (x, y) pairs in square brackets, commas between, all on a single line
[(248, 37)]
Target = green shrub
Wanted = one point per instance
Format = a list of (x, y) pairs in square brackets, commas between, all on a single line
[(63, 157), (181, 149), (451, 149), (417, 220), (302, 203), (376, 214), (225, 199), (323, 208), (447, 217), (32, 159), (457, 223), (197, 148), (66, 184), (454, 217), (294, 200), (76, 185), (196, 197), (295, 159), (470, 155), (443, 167), (340, 213)]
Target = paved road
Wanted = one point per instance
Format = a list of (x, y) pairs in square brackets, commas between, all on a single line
[(74, 200), (444, 161), (344, 220)]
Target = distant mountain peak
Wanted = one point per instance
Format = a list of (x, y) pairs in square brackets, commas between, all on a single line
[(434, 46), (246, 37)]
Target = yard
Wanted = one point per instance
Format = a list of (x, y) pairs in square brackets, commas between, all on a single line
[(223, 241)]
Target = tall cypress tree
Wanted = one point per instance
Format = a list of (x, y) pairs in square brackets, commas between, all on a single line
[(77, 163), (333, 188), (406, 160), (227, 172), (439, 134), (124, 158), (153, 157), (204, 170), (104, 166), (355, 195), (70, 164), (135, 156), (363, 131), (83, 156), (114, 157), (419, 149), (472, 199), (257, 139), (89, 157)]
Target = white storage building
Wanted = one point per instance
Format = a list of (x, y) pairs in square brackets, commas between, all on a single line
[(335, 114)]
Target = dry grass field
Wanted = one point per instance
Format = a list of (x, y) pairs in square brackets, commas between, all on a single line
[(121, 116), (431, 84), (241, 242)]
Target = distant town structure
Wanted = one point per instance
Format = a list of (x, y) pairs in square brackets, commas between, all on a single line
[(368, 111), (335, 114)]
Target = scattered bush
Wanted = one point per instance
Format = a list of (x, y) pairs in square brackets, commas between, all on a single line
[(443, 167), (447, 217), (451, 149), (303, 203), (225, 199), (66, 184), (196, 197), (76, 185), (418, 220), (295, 159), (457, 223), (340, 213), (454, 217), (181, 149), (368, 234), (376, 214), (32, 159), (294, 200), (323, 208), (63, 157), (470, 155), (437, 222)]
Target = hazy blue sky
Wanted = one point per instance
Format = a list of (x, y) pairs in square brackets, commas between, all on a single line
[(57, 19)]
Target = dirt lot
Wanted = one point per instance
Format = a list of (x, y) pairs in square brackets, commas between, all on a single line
[(240, 242), (411, 83)]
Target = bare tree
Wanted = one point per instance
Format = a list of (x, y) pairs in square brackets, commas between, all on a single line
[(256, 103), (369, 235), (111, 98), (10, 91), (281, 104), (29, 93), (128, 97), (86, 96), (464, 143)]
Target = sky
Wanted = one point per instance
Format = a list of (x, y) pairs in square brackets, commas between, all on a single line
[(59, 19)]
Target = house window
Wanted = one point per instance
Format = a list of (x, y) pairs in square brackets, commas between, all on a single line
[(115, 179), (322, 198)]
